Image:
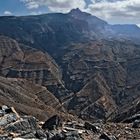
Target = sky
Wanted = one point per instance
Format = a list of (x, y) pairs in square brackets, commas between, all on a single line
[(112, 11)]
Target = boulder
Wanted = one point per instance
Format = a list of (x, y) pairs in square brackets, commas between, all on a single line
[(73, 135), (104, 136), (58, 137), (7, 119), (24, 124), (136, 124), (40, 134), (4, 107), (91, 127), (52, 123)]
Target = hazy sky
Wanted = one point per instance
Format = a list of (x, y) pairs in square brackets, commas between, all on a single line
[(113, 11)]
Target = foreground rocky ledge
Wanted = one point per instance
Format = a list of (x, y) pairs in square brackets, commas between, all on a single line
[(15, 127)]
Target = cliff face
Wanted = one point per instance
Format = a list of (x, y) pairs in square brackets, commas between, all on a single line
[(28, 98), (19, 62), (90, 67), (103, 75), (22, 62)]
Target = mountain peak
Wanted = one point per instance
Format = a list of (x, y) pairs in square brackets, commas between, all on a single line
[(78, 13), (77, 10)]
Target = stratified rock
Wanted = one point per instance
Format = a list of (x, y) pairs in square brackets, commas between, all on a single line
[(12, 125), (7, 119), (28, 98), (24, 124), (23, 62)]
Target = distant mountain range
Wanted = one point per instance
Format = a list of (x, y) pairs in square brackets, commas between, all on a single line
[(80, 65)]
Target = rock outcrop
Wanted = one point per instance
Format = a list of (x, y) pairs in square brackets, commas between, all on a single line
[(15, 127)]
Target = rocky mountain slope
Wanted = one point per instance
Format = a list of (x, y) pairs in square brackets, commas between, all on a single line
[(86, 66), (16, 127), (29, 98), (51, 32), (23, 62), (104, 76)]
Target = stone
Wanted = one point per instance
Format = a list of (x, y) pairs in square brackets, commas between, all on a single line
[(4, 107), (58, 137), (104, 136), (8, 110), (91, 127), (73, 135), (24, 124), (5, 137), (52, 123), (26, 139), (132, 118), (136, 124), (40, 134), (7, 119), (1, 113), (28, 135)]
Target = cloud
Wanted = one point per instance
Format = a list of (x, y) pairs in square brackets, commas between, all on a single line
[(36, 13), (7, 13), (65, 5), (55, 5), (114, 11), (138, 25), (31, 4), (128, 10)]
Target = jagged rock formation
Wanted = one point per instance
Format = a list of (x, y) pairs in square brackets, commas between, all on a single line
[(15, 127)]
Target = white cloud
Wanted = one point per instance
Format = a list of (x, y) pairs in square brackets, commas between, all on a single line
[(36, 13), (138, 25), (128, 10), (55, 5), (7, 13), (31, 4), (114, 11), (65, 5)]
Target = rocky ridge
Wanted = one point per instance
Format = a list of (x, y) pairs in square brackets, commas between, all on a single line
[(15, 127)]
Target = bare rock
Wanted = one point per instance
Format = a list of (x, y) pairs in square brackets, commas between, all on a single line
[(52, 123)]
